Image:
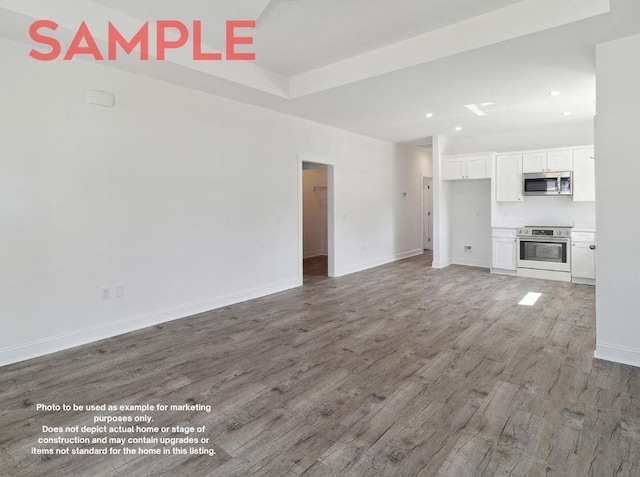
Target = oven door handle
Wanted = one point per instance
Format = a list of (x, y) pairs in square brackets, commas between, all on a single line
[(541, 239)]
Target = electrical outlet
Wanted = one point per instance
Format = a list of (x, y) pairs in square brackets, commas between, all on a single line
[(468, 249), (364, 248), (119, 291), (106, 293)]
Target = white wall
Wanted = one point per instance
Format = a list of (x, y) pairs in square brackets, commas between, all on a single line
[(442, 218), (545, 211), (188, 200), (470, 209), (418, 163), (617, 172), (556, 135), (314, 189)]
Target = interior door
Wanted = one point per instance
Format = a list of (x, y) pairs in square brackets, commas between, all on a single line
[(428, 214)]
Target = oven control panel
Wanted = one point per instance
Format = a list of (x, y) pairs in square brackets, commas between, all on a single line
[(544, 232)]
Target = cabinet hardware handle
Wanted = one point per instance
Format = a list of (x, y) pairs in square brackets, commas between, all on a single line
[(592, 247)]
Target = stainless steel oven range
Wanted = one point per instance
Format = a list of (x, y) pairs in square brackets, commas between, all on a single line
[(545, 252)]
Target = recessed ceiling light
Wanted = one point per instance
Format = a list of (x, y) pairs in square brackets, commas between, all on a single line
[(486, 104), (458, 128), (429, 115), (554, 93), (567, 113)]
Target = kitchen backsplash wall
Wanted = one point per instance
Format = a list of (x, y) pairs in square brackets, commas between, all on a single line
[(545, 211)]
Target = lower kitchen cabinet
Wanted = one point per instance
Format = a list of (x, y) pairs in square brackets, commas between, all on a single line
[(583, 257), (504, 251)]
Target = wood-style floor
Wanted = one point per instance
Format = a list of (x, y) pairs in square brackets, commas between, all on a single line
[(401, 370)]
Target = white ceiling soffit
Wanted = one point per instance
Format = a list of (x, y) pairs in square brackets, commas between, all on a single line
[(513, 21), (69, 14), (520, 19)]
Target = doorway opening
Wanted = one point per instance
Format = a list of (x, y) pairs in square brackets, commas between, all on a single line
[(316, 221)]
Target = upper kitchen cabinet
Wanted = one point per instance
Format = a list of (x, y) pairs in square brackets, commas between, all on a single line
[(584, 175), (467, 167), (509, 178), (556, 161)]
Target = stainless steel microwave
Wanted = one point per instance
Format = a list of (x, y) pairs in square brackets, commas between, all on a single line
[(548, 183)]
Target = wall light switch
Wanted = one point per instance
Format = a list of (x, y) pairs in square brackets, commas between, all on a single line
[(119, 291)]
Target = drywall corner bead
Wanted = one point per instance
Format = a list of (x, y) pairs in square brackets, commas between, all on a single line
[(100, 98)]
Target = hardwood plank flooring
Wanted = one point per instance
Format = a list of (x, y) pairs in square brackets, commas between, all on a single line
[(399, 370)]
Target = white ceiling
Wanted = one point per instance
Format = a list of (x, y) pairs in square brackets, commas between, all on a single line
[(512, 57), (301, 35), (306, 34)]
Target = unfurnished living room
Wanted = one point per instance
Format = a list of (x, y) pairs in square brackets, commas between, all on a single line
[(319, 238)]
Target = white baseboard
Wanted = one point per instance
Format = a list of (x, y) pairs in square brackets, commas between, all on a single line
[(583, 281), (318, 253), (470, 262), (442, 264), (544, 275), (54, 344), (378, 262), (618, 354), (501, 271)]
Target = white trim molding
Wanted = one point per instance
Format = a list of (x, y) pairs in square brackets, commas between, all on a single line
[(54, 344), (502, 271), (469, 262), (442, 264), (618, 354), (378, 262)]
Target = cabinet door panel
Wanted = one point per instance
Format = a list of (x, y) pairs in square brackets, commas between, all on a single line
[(479, 168), (535, 162), (504, 254), (583, 261), (561, 161), (509, 178), (454, 169), (584, 175)]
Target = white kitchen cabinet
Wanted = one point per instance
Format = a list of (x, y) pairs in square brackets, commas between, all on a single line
[(454, 168), (534, 162), (479, 167), (556, 161), (560, 161), (504, 257), (457, 168), (583, 257), (584, 175), (509, 178)]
